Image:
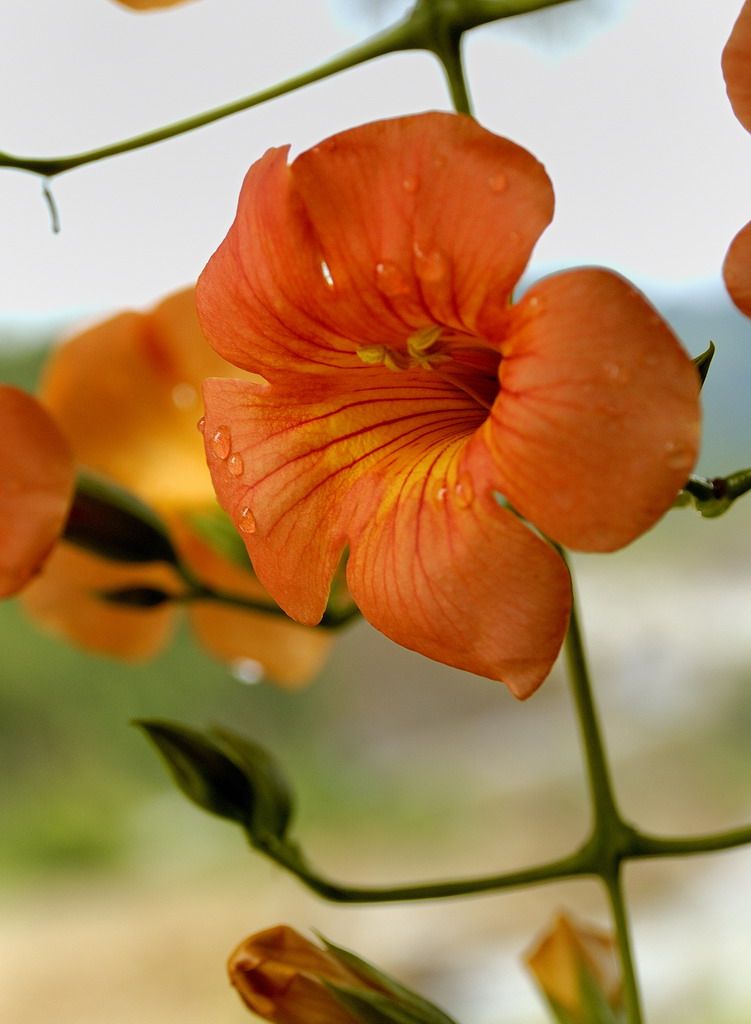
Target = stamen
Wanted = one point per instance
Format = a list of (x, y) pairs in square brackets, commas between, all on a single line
[(425, 351)]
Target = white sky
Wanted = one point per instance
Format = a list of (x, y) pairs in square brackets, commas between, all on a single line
[(652, 172)]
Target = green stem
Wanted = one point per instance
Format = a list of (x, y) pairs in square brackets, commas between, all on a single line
[(600, 787), (292, 859), (612, 838), (399, 37), (631, 997), (416, 31)]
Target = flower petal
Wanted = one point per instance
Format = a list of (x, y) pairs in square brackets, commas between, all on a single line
[(369, 236), (287, 653), (126, 393), (36, 484), (596, 426), (736, 66), (435, 567), (65, 599), (737, 270)]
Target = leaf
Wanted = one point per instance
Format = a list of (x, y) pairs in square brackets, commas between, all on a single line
[(109, 521), (703, 362), (375, 1008), (420, 1008)]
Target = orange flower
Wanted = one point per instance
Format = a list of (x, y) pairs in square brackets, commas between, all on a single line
[(280, 976), (736, 67), (147, 5), (408, 401), (36, 483), (126, 395), (576, 965)]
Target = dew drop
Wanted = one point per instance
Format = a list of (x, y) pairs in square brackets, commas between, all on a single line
[(464, 492), (410, 184), (441, 493), (390, 280), (235, 464), (246, 521), (431, 266), (327, 274), (221, 442), (247, 670), (201, 425), (184, 396), (678, 457), (498, 182)]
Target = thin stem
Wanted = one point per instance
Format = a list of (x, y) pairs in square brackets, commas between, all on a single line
[(646, 845), (398, 37), (631, 997), (291, 858), (598, 771), (612, 838)]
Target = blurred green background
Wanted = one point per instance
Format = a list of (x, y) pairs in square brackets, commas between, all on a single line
[(121, 901)]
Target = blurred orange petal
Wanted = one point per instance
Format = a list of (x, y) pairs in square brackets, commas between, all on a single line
[(148, 5), (736, 67), (66, 598), (370, 284), (36, 484), (567, 950), (126, 393)]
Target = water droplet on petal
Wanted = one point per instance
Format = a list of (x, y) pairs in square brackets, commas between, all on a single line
[(327, 274), (431, 266), (498, 182), (201, 425), (390, 280), (464, 492), (410, 184), (246, 521), (441, 493), (678, 456), (247, 670), (221, 442), (235, 464), (184, 396)]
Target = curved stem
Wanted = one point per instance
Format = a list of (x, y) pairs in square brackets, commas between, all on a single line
[(399, 37), (646, 845), (574, 865)]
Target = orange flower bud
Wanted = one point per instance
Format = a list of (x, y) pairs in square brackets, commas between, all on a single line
[(281, 977), (577, 968)]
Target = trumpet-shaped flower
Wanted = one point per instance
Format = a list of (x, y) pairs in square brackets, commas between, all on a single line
[(414, 414), (126, 394), (736, 67), (36, 484)]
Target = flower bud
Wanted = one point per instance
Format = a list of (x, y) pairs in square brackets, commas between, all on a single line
[(282, 977), (578, 969)]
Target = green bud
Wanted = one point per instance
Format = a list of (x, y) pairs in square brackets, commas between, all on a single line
[(108, 520)]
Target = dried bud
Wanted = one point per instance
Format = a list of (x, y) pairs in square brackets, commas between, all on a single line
[(282, 978), (578, 969)]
